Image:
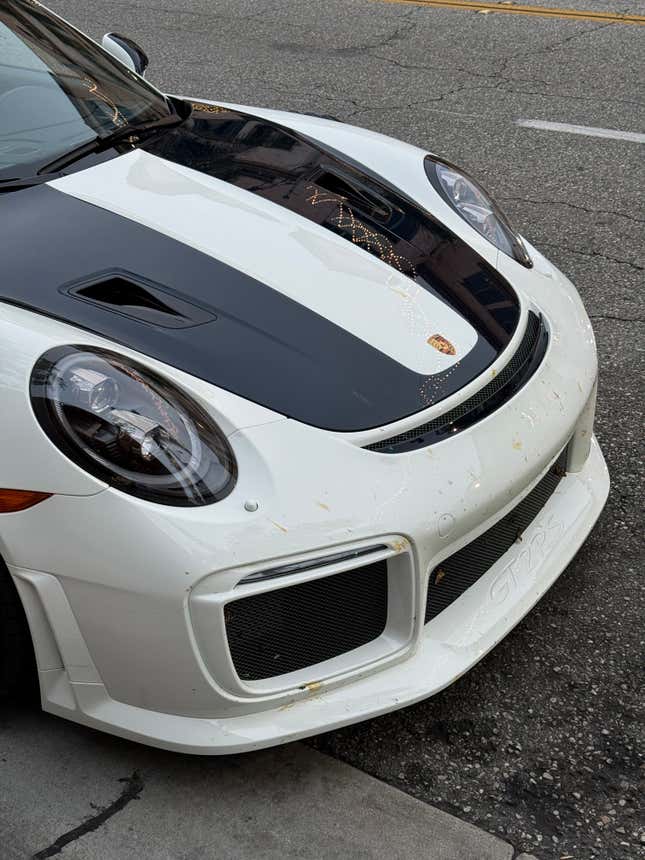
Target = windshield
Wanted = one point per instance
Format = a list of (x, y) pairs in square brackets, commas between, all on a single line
[(58, 90)]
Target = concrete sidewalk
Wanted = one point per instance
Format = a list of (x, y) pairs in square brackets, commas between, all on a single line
[(71, 791)]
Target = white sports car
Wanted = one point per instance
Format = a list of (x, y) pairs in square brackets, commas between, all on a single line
[(296, 426)]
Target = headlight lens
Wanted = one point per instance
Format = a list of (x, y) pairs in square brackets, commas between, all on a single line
[(130, 428), (473, 204)]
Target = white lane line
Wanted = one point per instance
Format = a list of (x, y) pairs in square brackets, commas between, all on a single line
[(590, 131)]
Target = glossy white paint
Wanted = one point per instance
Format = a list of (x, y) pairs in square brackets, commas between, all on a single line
[(125, 597)]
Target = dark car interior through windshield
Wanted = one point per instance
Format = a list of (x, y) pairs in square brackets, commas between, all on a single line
[(59, 90)]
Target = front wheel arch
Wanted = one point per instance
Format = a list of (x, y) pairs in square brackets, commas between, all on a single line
[(18, 673)]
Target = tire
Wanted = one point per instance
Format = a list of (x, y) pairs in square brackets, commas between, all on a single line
[(18, 674)]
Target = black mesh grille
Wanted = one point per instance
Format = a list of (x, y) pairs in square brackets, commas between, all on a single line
[(456, 574), (510, 379), (290, 628)]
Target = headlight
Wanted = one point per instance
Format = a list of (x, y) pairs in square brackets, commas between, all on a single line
[(130, 428), (472, 203)]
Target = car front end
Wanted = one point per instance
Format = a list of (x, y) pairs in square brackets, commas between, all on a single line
[(319, 592), (306, 427)]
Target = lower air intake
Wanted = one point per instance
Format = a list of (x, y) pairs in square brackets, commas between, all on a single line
[(290, 628), (456, 574)]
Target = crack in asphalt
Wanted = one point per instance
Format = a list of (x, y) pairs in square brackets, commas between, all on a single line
[(616, 318), (425, 101), (580, 253), (313, 97), (547, 49), (571, 97), (452, 69), (501, 76), (505, 79), (503, 73), (572, 206), (133, 787), (399, 33)]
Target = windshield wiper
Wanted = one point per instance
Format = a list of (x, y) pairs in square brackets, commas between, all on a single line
[(24, 182), (52, 170), (131, 133)]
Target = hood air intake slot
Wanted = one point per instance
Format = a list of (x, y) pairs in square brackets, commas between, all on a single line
[(132, 296)]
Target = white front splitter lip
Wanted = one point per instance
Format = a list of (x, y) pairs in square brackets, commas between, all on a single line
[(450, 645)]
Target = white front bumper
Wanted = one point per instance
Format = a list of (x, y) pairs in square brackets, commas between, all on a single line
[(447, 647), (118, 590)]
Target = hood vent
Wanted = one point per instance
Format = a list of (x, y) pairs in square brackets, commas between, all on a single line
[(132, 296), (357, 194)]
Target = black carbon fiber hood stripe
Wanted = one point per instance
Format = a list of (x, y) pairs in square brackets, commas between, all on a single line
[(254, 341)]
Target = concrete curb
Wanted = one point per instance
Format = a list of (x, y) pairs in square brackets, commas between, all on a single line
[(72, 791)]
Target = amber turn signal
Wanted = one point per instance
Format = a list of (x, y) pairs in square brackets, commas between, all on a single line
[(19, 500)]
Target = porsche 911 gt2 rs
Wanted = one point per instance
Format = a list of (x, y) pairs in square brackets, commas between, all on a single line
[(296, 427)]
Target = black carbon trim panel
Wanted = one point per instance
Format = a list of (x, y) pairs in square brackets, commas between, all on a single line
[(508, 382), (290, 628), (450, 579)]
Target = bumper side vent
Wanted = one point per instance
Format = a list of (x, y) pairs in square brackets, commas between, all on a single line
[(290, 628), (508, 381), (450, 579)]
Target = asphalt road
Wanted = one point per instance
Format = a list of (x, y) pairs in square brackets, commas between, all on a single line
[(540, 743)]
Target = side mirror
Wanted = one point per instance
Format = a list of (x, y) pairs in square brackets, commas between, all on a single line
[(126, 51)]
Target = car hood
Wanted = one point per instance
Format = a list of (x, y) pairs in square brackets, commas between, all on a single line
[(266, 263)]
